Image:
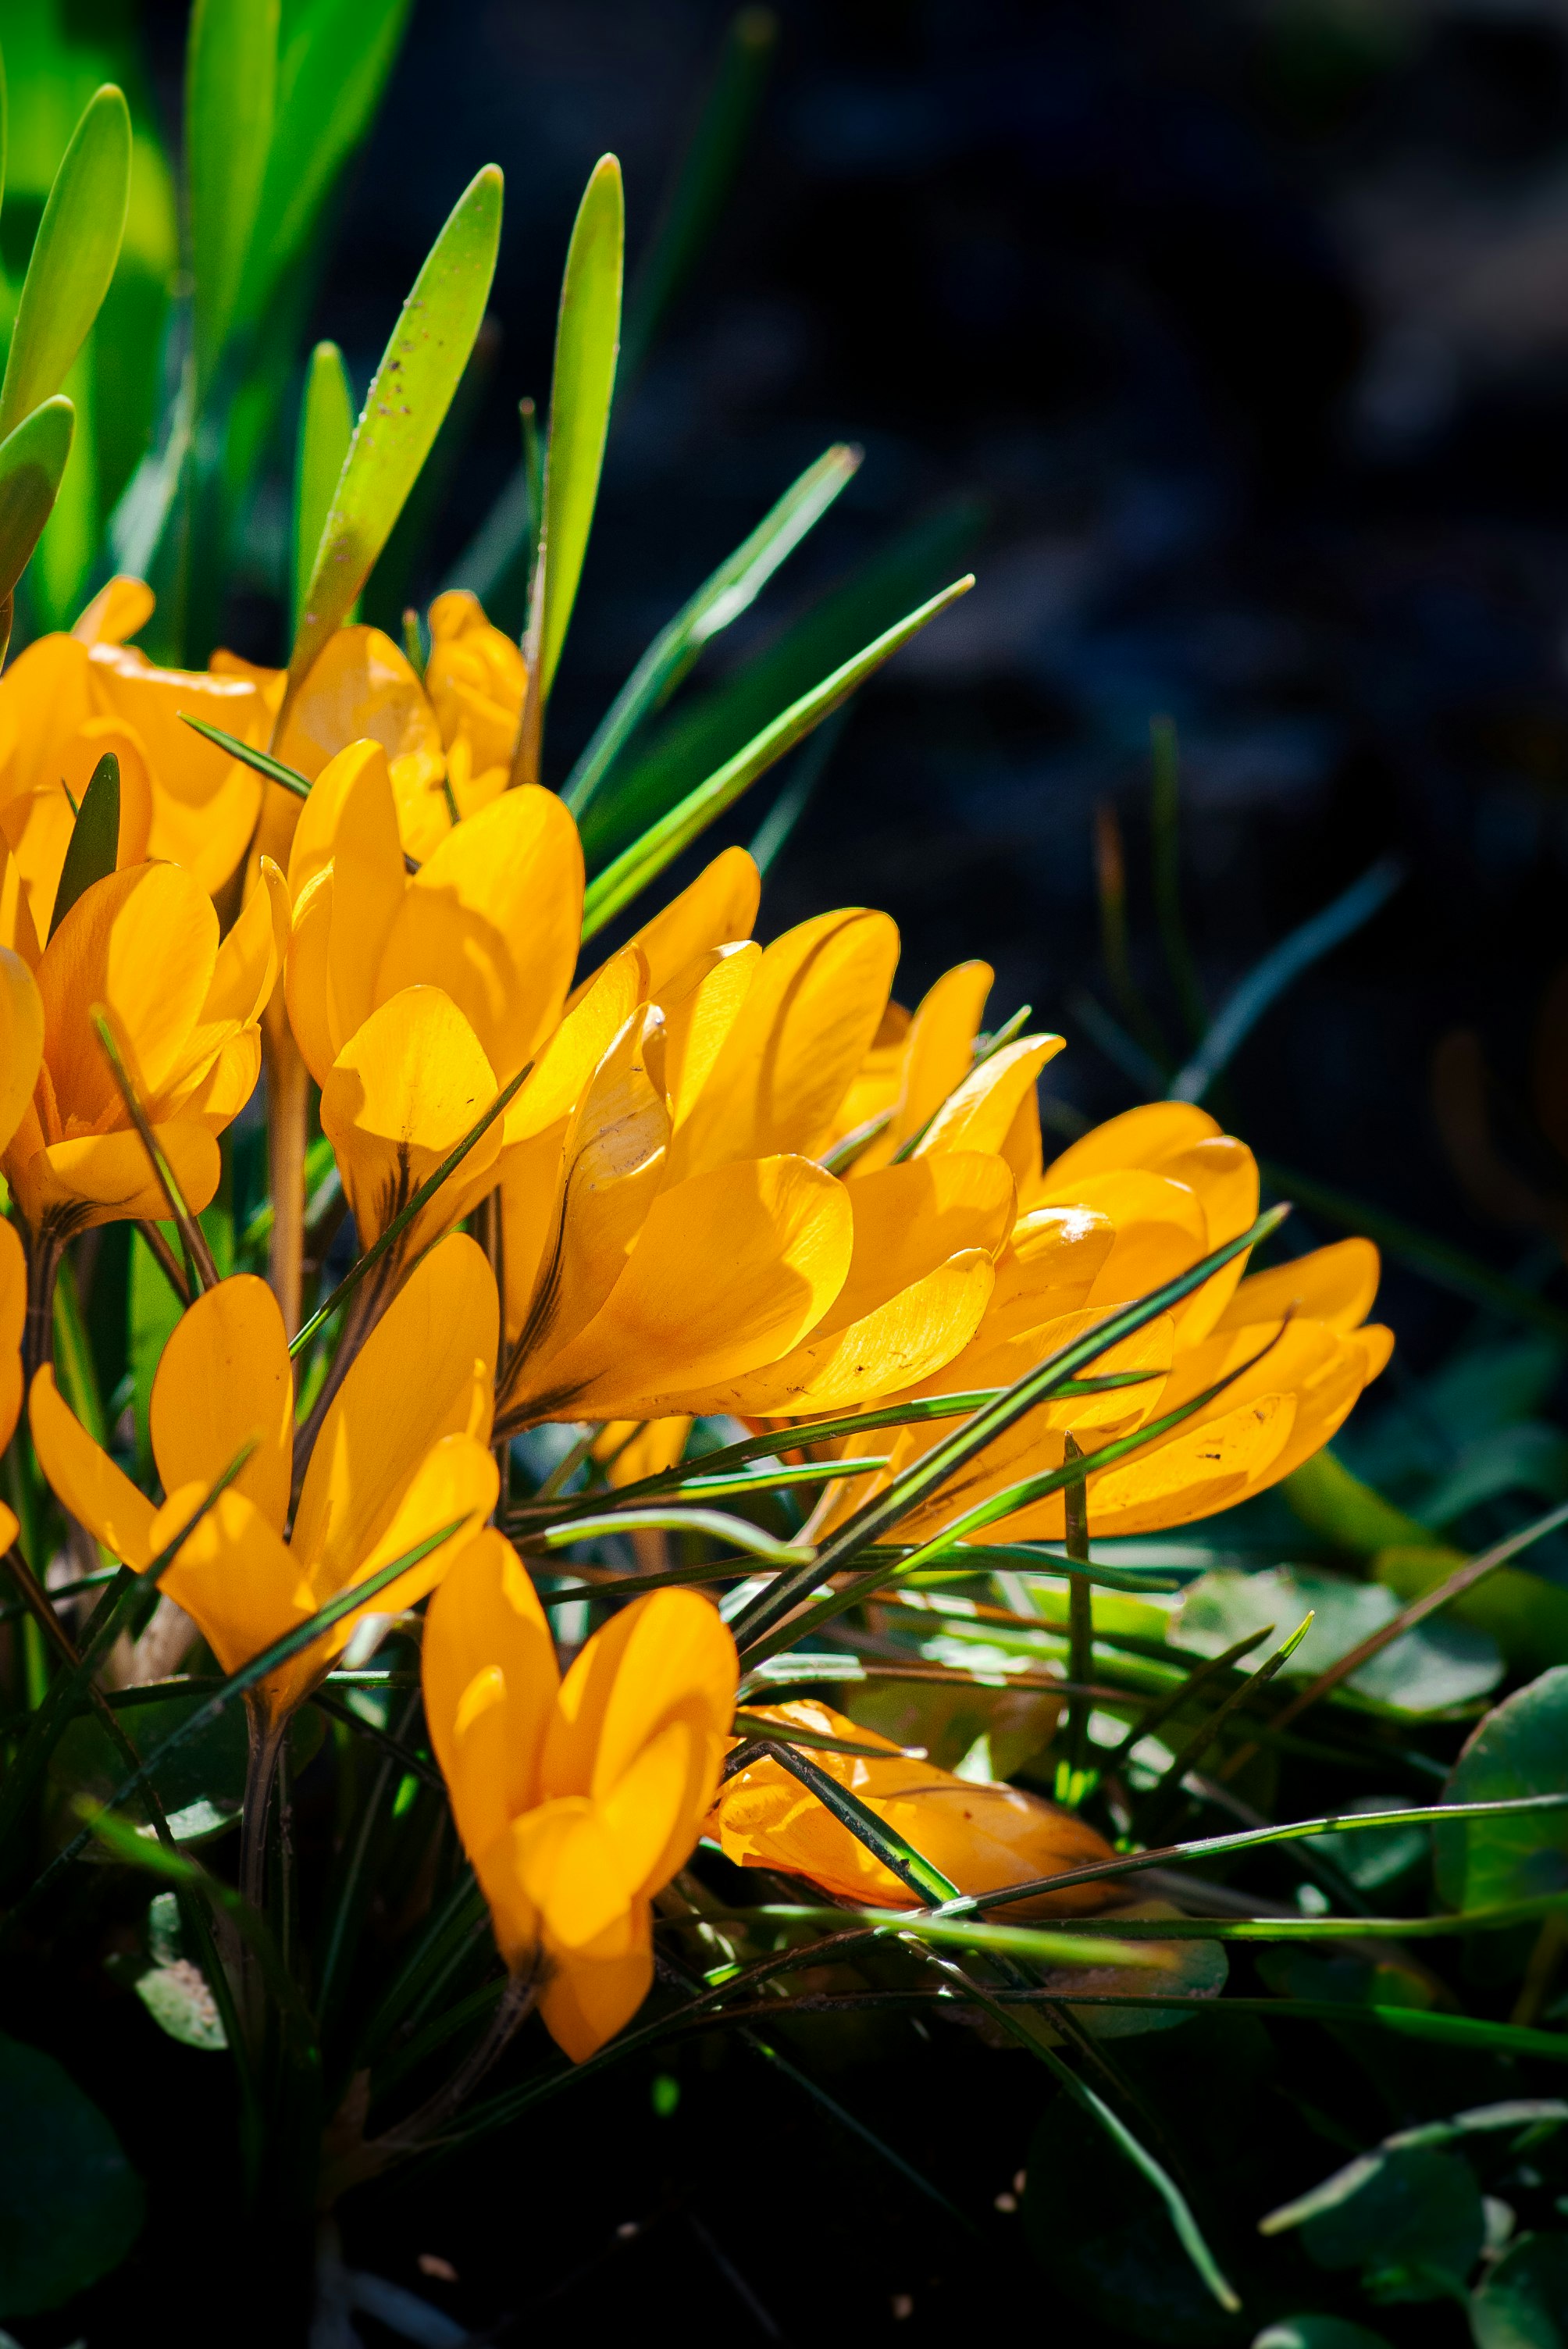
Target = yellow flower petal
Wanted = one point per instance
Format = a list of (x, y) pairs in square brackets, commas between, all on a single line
[(936, 1056), (251, 957), (424, 1372), (719, 908), (240, 1582), (398, 1099), (802, 1032), (1138, 1137), (980, 1114), (1335, 1285), (145, 944), (700, 1008), (731, 1270), (570, 1869), (226, 1379), (368, 887), (908, 1338), (665, 1659), (362, 686), (577, 1047), (307, 986), (490, 1678), (593, 1992), (13, 1316), (494, 918), (477, 679), (86, 1479), (106, 1179), (21, 1040), (116, 613)]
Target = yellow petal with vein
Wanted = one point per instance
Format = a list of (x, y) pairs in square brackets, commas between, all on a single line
[(490, 1678), (84, 1478), (664, 1659), (719, 907), (980, 1114), (398, 1099), (306, 985), (21, 1040), (424, 1372), (910, 1338), (107, 1177), (145, 944), (577, 1047), (1335, 1285), (700, 1008), (362, 687), (1138, 1137), (593, 1992), (938, 1053), (226, 1379), (237, 1579)]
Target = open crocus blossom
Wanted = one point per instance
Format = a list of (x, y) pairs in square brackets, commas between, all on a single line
[(1133, 1204), (576, 1799), (672, 1242), (402, 1457), (980, 1836), (143, 944), (415, 999)]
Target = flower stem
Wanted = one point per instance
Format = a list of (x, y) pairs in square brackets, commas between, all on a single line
[(288, 1100), (45, 1251)]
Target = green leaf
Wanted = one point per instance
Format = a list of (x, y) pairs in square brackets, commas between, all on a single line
[(708, 735), (722, 599), (332, 69), (1411, 2220), (70, 2203), (692, 206), (409, 395), (646, 858), (326, 429), (32, 465), (1520, 1749), (94, 844), (714, 1523), (200, 1786), (74, 256), (1521, 2301), (231, 89), (1318, 2333), (174, 1990), (587, 338), (1428, 1670)]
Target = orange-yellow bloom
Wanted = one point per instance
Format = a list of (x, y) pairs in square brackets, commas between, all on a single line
[(576, 1799), (980, 1836), (477, 680), (402, 1453), (144, 943), (21, 1056)]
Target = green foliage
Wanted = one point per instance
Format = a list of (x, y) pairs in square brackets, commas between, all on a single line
[(231, 92), (1521, 1748), (326, 431), (587, 340), (1523, 2302), (70, 2203), (73, 259), (33, 459), (94, 839)]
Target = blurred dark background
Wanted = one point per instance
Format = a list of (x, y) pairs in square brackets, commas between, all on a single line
[(1245, 325)]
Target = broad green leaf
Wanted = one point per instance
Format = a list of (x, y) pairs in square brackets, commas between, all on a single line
[(174, 1990), (1188, 1971), (1411, 2220), (332, 69), (73, 259), (1521, 1748), (587, 338), (70, 2203), (326, 429), (94, 844), (697, 741), (718, 601), (646, 858), (693, 202), (231, 88), (409, 395), (32, 463), (199, 1786), (1521, 2301), (1427, 1670)]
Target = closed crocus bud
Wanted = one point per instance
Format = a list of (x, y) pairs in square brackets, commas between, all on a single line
[(982, 1837)]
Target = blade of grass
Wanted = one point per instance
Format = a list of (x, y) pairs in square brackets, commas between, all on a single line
[(716, 1523), (1160, 1709), (32, 465), (631, 872), (246, 753), (1267, 981), (326, 429), (73, 258), (201, 1272), (1151, 1814), (94, 845), (895, 1851), (231, 90), (720, 600), (409, 395)]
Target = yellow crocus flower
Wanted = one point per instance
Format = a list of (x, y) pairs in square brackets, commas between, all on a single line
[(477, 682), (21, 1057), (144, 943), (980, 1836), (576, 1799), (401, 1452)]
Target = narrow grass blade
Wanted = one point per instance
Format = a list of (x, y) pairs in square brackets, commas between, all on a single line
[(773, 834), (326, 429), (270, 1659), (261, 761), (1280, 969), (74, 256), (409, 395), (615, 887), (231, 90), (714, 1523), (924, 1477), (1499, 1920), (32, 465), (202, 1271), (1165, 819), (1152, 1814), (1152, 1715), (405, 1216), (1205, 1847), (720, 600), (693, 202), (1445, 1266), (587, 339), (885, 1843), (94, 844)]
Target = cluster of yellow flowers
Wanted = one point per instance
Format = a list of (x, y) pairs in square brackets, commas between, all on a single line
[(733, 1179)]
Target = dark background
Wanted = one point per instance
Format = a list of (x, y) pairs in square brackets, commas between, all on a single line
[(1246, 322)]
